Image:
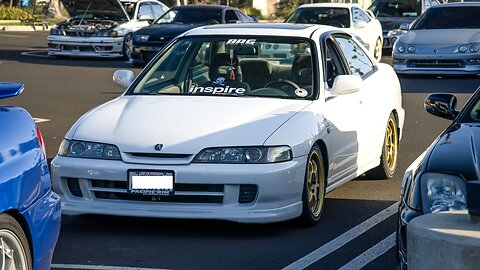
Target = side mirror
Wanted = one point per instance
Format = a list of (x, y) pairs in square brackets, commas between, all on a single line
[(10, 89), (360, 24), (123, 78), (442, 105), (404, 26), (346, 84)]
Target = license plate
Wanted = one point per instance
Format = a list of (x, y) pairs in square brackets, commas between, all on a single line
[(151, 182)]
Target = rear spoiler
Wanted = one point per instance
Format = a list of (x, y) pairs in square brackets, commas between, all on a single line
[(10, 89)]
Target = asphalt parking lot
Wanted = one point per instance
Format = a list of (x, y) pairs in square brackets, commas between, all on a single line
[(356, 227)]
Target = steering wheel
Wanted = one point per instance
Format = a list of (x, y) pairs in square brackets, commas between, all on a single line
[(282, 81)]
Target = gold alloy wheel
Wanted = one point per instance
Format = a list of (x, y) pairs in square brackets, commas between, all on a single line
[(315, 184), (391, 144)]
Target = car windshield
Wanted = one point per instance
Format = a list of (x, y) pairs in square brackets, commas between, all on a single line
[(466, 17), (232, 66), (396, 8), (338, 17), (191, 16)]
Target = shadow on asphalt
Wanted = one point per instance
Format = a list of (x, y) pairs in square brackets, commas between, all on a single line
[(437, 83)]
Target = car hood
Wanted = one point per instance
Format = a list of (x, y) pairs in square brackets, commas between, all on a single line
[(441, 37), (169, 29), (391, 23), (185, 124), (111, 8), (457, 151)]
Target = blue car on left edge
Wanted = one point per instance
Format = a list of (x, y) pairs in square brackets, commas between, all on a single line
[(29, 210)]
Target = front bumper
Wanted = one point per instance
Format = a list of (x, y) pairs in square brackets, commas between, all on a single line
[(108, 47), (405, 215), (203, 191), (43, 218), (448, 64)]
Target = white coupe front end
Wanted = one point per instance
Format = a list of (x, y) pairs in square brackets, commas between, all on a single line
[(216, 128)]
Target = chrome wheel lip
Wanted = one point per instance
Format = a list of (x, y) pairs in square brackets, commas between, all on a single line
[(391, 144), (128, 46), (12, 253), (377, 49), (315, 184)]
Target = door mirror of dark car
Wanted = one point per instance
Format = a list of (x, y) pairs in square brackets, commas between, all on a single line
[(404, 26), (123, 78), (360, 24), (442, 105), (254, 17), (346, 84)]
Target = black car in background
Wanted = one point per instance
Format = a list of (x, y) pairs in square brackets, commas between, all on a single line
[(437, 180), (147, 41), (393, 13)]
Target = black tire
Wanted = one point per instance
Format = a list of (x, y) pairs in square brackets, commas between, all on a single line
[(127, 53), (389, 157), (314, 188), (12, 236)]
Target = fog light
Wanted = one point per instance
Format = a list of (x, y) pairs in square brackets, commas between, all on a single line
[(53, 46)]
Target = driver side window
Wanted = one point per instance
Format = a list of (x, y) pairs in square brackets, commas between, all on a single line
[(332, 63)]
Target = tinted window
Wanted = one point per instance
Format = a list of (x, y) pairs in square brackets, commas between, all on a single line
[(449, 18), (191, 16), (359, 15), (230, 15), (357, 59), (396, 8), (338, 17)]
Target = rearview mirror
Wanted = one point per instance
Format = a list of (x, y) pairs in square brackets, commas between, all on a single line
[(360, 24), (404, 26), (123, 78), (346, 84), (442, 105)]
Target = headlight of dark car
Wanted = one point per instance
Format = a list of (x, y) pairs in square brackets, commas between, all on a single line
[(141, 38), (442, 192), (240, 155), (82, 149), (56, 32)]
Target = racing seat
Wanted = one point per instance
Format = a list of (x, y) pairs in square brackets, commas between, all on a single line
[(256, 72), (225, 71), (302, 71)]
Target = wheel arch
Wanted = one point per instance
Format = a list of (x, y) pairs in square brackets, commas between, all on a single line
[(324, 150)]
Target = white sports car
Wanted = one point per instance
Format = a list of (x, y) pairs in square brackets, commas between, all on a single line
[(212, 129), (359, 22)]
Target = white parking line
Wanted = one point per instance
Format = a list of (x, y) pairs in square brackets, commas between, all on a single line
[(371, 254), (342, 239), (15, 36), (98, 267), (40, 120)]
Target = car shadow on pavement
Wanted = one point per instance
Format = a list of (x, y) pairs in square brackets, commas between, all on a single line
[(439, 83)]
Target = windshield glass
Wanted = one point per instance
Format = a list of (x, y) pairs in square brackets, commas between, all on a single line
[(232, 66), (191, 16), (396, 8), (338, 17), (449, 18)]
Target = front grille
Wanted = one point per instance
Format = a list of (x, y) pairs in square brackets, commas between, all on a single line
[(158, 155), (247, 193), (435, 63), (169, 199), (79, 33), (79, 48), (74, 187)]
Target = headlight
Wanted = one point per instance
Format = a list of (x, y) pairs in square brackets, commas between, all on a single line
[(106, 34), (463, 48), (240, 155), (81, 149), (56, 32), (401, 49), (442, 192), (411, 49), (141, 38), (474, 48)]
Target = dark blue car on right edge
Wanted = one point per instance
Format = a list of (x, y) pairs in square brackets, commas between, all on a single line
[(437, 180)]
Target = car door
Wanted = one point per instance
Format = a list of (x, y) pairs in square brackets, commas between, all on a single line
[(371, 126), (343, 115)]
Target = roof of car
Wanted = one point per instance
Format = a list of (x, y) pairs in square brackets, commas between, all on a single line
[(260, 29), (210, 7), (337, 5), (458, 4)]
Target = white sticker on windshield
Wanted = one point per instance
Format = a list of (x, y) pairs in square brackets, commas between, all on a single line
[(300, 92), (235, 41)]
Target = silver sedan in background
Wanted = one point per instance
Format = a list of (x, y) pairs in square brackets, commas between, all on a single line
[(443, 40)]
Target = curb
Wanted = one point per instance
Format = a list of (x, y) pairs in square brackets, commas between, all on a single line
[(23, 28)]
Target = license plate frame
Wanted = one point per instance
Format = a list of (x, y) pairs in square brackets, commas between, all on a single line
[(151, 182)]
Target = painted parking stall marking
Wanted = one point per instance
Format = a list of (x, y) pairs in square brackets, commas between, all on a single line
[(99, 267), (41, 120), (343, 239)]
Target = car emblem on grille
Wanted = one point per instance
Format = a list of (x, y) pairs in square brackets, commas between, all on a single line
[(158, 147), (435, 50)]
